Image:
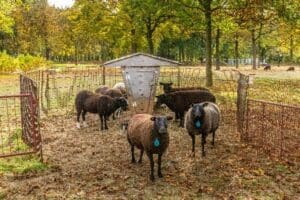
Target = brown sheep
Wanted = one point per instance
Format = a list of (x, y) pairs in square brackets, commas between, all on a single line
[(150, 134), (101, 89), (291, 69)]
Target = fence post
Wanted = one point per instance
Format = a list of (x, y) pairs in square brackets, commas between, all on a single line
[(103, 75), (243, 84), (178, 76), (47, 92)]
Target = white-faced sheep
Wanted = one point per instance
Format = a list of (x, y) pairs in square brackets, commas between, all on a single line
[(104, 105), (149, 134), (121, 87), (180, 101), (202, 119)]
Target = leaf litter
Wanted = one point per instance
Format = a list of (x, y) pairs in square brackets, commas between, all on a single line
[(90, 164)]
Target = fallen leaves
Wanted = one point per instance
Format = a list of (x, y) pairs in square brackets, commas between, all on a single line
[(87, 164)]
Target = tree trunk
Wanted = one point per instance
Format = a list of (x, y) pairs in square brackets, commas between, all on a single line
[(291, 48), (133, 41), (150, 43), (259, 57), (149, 38), (207, 8), (236, 51), (253, 49), (218, 49)]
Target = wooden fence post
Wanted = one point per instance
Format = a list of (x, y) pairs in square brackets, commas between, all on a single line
[(103, 75), (243, 85), (47, 95), (178, 76)]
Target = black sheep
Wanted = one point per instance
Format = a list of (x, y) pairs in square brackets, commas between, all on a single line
[(180, 101), (167, 87), (104, 105)]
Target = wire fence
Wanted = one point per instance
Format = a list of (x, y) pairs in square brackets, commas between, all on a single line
[(274, 129), (57, 89)]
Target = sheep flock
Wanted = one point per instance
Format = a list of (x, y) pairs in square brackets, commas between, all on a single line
[(195, 107)]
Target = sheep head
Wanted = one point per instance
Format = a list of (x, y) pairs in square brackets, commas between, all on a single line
[(167, 87), (121, 102), (161, 99), (198, 114), (161, 124)]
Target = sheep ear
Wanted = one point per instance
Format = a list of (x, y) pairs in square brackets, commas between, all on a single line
[(161, 83), (153, 118), (169, 118), (205, 104)]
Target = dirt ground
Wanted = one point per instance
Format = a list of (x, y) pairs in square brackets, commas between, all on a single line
[(89, 164)]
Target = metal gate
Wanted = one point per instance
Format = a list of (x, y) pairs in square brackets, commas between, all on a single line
[(19, 121)]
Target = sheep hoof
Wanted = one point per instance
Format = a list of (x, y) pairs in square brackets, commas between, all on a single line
[(192, 154), (140, 162), (78, 125), (133, 161), (85, 125), (160, 175), (152, 178), (212, 143)]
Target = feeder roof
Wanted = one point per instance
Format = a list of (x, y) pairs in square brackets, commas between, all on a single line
[(140, 60)]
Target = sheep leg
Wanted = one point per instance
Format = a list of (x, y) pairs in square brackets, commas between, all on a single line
[(213, 138), (78, 119), (159, 174), (181, 119), (141, 156), (150, 155), (83, 118), (203, 143), (105, 119), (193, 144), (176, 116), (132, 154), (114, 117), (101, 120)]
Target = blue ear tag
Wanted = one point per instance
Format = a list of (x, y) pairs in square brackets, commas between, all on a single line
[(156, 142), (198, 124)]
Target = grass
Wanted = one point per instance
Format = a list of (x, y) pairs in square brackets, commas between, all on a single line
[(21, 164), (283, 91)]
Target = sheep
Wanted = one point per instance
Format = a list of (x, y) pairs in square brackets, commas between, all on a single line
[(167, 87), (202, 118), (180, 101), (104, 105), (105, 90), (101, 89), (121, 87), (267, 67), (149, 134), (291, 69)]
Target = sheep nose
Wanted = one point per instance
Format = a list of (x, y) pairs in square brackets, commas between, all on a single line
[(162, 130)]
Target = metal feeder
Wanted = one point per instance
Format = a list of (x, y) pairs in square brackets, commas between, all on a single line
[(140, 74)]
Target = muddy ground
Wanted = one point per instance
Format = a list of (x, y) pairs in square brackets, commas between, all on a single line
[(89, 164)]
